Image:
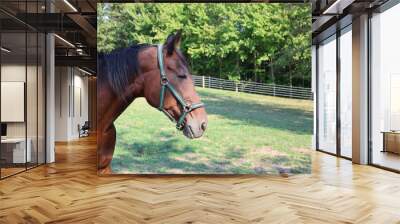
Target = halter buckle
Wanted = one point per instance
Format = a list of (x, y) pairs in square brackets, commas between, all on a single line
[(187, 108), (164, 81), (179, 126)]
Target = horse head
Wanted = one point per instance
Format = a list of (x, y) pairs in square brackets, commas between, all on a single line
[(170, 88)]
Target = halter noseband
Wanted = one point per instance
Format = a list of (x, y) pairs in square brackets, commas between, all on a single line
[(186, 107)]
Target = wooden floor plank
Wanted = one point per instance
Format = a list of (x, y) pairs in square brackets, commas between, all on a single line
[(69, 191)]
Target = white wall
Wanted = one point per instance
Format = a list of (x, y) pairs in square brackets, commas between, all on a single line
[(61, 103), (71, 102), (80, 111)]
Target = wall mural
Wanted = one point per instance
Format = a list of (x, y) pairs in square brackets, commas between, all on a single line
[(209, 69)]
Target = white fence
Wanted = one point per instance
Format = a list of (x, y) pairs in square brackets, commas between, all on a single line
[(253, 87)]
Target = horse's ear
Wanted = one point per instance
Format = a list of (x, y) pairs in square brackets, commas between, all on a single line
[(173, 42)]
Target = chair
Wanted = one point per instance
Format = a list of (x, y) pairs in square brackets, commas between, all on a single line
[(84, 130)]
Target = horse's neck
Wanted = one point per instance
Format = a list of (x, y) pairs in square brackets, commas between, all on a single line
[(132, 91), (112, 104)]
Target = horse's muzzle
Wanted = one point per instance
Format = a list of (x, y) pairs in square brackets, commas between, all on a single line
[(194, 131)]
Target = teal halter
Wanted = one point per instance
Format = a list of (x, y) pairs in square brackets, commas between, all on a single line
[(165, 85)]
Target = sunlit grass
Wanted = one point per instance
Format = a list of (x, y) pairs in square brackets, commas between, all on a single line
[(246, 134)]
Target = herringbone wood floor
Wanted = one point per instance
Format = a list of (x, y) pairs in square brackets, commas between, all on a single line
[(70, 191)]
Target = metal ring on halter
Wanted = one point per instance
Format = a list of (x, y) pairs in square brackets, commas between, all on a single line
[(187, 108), (164, 81)]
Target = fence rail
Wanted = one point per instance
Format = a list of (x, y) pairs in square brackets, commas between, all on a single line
[(253, 87)]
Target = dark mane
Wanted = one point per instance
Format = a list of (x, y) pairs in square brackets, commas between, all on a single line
[(119, 66)]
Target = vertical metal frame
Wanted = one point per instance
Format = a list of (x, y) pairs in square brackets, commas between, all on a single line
[(37, 90), (45, 87), (26, 86), (317, 97), (338, 74), (369, 78)]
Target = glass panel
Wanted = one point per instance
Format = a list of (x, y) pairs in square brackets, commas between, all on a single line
[(41, 98), (385, 84), (346, 92), (13, 86), (32, 86), (31, 98), (327, 95)]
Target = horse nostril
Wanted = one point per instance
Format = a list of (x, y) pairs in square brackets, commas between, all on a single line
[(203, 126)]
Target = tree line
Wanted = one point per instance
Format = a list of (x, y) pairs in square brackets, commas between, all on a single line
[(269, 43)]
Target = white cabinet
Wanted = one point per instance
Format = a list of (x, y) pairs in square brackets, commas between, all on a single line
[(19, 155)]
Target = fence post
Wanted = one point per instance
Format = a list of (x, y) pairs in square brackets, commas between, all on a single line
[(291, 91), (273, 87), (237, 88), (203, 81)]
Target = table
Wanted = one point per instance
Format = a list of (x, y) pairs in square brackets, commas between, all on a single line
[(13, 150), (391, 141)]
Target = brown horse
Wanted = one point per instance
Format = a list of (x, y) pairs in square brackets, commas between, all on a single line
[(161, 75)]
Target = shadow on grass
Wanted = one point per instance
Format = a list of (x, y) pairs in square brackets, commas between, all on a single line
[(171, 157), (274, 116), (161, 157), (283, 164)]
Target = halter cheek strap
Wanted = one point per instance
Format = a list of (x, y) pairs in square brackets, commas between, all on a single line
[(186, 108)]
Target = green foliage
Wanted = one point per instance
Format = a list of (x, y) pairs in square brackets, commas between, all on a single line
[(260, 42)]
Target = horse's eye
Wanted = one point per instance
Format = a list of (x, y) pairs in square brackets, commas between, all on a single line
[(182, 76)]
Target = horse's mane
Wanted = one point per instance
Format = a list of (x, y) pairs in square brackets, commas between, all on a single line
[(118, 67)]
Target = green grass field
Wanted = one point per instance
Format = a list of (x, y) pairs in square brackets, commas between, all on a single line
[(246, 134)]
